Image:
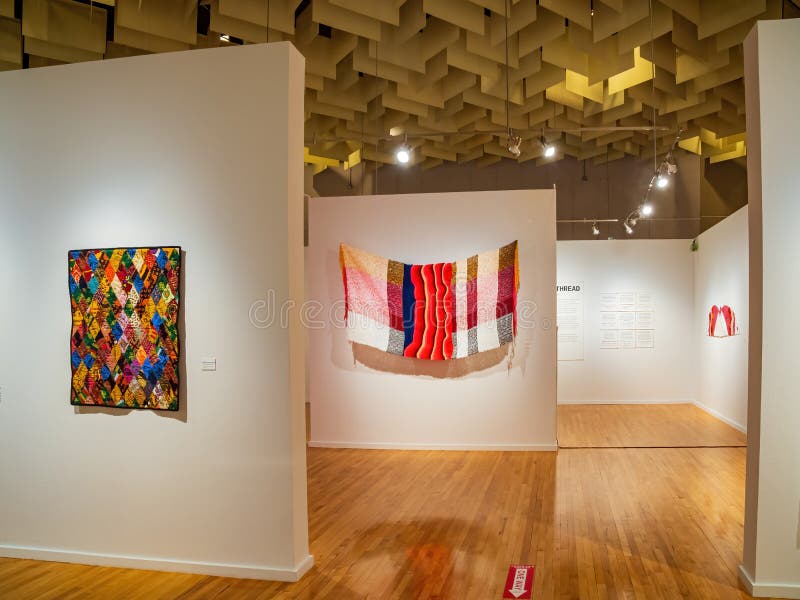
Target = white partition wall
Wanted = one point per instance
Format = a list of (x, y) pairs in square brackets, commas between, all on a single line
[(201, 149), (377, 400), (721, 279), (663, 373), (771, 562)]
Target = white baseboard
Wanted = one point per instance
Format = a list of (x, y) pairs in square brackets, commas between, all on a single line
[(767, 590), (721, 417), (618, 401), (408, 446), (158, 564)]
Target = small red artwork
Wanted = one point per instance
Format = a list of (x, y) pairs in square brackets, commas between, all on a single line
[(715, 327), (519, 582)]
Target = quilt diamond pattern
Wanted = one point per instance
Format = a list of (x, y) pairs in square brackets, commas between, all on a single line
[(124, 347)]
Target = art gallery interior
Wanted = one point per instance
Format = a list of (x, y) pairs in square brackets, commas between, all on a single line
[(339, 299)]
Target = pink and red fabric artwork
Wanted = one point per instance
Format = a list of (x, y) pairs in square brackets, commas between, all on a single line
[(434, 311), (728, 317)]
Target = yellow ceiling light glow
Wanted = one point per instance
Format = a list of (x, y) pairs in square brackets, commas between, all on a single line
[(642, 71)]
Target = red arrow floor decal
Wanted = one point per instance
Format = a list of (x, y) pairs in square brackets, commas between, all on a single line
[(519, 582)]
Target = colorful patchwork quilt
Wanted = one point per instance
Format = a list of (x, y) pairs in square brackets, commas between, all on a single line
[(125, 344), (436, 311)]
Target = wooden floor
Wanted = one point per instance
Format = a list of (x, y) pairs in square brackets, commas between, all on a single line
[(647, 523), (642, 426)]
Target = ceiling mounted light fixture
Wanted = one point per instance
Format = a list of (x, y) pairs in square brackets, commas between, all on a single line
[(548, 150), (514, 142), (646, 210), (670, 164), (595, 228), (403, 153), (224, 37), (628, 227)]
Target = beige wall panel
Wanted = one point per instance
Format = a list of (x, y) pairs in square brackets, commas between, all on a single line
[(10, 43), (7, 8), (323, 11), (281, 12), (67, 54), (386, 11), (175, 20), (521, 14), (640, 32), (66, 24), (459, 12), (146, 41), (245, 30), (574, 10), (717, 15), (607, 21), (562, 53), (548, 26)]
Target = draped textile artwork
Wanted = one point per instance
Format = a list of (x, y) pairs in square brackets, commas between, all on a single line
[(124, 344), (731, 328), (436, 311)]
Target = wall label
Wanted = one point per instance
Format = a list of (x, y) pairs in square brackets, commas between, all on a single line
[(569, 317)]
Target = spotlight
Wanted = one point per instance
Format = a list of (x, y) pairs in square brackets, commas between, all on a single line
[(670, 165), (662, 181), (628, 228), (224, 37), (547, 149), (514, 142), (595, 229), (403, 154), (646, 210)]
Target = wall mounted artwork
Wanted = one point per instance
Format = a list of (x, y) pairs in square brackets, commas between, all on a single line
[(435, 311), (715, 324), (125, 345)]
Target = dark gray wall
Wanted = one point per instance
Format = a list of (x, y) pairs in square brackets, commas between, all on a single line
[(610, 190)]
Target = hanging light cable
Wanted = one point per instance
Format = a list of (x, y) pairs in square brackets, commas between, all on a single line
[(514, 141)]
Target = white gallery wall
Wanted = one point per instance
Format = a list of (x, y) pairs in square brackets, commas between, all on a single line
[(184, 149), (721, 278), (771, 561), (666, 372), (374, 399)]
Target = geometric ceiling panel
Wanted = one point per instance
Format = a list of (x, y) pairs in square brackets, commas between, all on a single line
[(450, 77)]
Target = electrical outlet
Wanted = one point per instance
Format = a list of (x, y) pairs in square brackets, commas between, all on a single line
[(208, 364)]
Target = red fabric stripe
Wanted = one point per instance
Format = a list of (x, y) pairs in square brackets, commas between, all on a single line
[(506, 292), (472, 303), (344, 279), (394, 295), (429, 280), (419, 311), (437, 351), (449, 311)]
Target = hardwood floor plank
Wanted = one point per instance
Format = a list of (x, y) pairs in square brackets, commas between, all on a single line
[(642, 426), (598, 524)]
